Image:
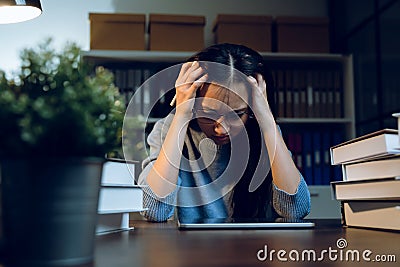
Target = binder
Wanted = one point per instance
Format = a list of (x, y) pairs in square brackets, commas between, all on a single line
[(281, 93), (291, 145), (296, 93), (326, 163), (307, 158), (131, 84), (338, 94), (274, 74), (303, 94), (324, 88), (298, 151), (138, 92), (316, 93), (317, 158), (337, 138), (289, 93), (310, 94), (330, 94), (146, 93)]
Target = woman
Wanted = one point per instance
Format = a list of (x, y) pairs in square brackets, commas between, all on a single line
[(221, 154)]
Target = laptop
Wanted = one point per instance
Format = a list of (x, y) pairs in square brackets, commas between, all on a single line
[(235, 223)]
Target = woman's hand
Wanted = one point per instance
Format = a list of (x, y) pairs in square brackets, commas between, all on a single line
[(190, 78), (260, 105)]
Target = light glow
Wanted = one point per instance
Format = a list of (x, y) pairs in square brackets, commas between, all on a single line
[(15, 14)]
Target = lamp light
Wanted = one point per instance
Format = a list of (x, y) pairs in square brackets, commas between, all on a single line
[(13, 11)]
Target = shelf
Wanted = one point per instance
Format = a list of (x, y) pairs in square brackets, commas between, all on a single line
[(314, 120), (137, 56), (99, 56), (303, 56)]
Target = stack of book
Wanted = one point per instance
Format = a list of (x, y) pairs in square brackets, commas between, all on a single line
[(370, 189), (119, 196)]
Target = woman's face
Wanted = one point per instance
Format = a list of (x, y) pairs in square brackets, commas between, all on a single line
[(221, 113)]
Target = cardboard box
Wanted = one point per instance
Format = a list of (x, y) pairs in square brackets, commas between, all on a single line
[(117, 31), (176, 32), (302, 34), (251, 31)]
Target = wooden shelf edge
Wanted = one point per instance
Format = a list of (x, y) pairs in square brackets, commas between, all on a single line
[(313, 120), (176, 56)]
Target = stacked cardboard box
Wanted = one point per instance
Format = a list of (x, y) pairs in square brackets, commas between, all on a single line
[(117, 31), (302, 34), (169, 32), (176, 32), (252, 31)]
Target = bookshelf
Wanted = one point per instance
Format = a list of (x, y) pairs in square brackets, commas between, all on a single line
[(305, 123), (154, 61)]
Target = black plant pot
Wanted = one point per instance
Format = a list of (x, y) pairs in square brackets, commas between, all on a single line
[(50, 210)]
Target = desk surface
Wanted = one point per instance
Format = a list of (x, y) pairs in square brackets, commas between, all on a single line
[(162, 244)]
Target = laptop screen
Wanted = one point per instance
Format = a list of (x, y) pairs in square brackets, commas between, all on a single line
[(241, 223)]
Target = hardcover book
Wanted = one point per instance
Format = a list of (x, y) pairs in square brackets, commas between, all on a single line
[(387, 189), (372, 214), (118, 199), (118, 172), (374, 169), (374, 145)]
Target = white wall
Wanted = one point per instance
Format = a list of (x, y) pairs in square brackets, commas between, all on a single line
[(67, 20)]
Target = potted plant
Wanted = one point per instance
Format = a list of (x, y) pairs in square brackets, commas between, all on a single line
[(58, 120)]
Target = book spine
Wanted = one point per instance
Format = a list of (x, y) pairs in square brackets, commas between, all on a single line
[(308, 158), (338, 95), (296, 76), (326, 164), (317, 94), (288, 83), (317, 164), (310, 94), (281, 94), (330, 94), (337, 138), (303, 94)]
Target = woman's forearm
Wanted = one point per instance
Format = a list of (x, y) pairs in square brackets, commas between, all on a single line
[(285, 174), (163, 176)]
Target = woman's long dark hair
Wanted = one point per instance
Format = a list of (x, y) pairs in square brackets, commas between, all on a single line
[(247, 204), (241, 58)]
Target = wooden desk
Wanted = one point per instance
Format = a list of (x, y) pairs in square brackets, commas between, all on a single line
[(162, 244)]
